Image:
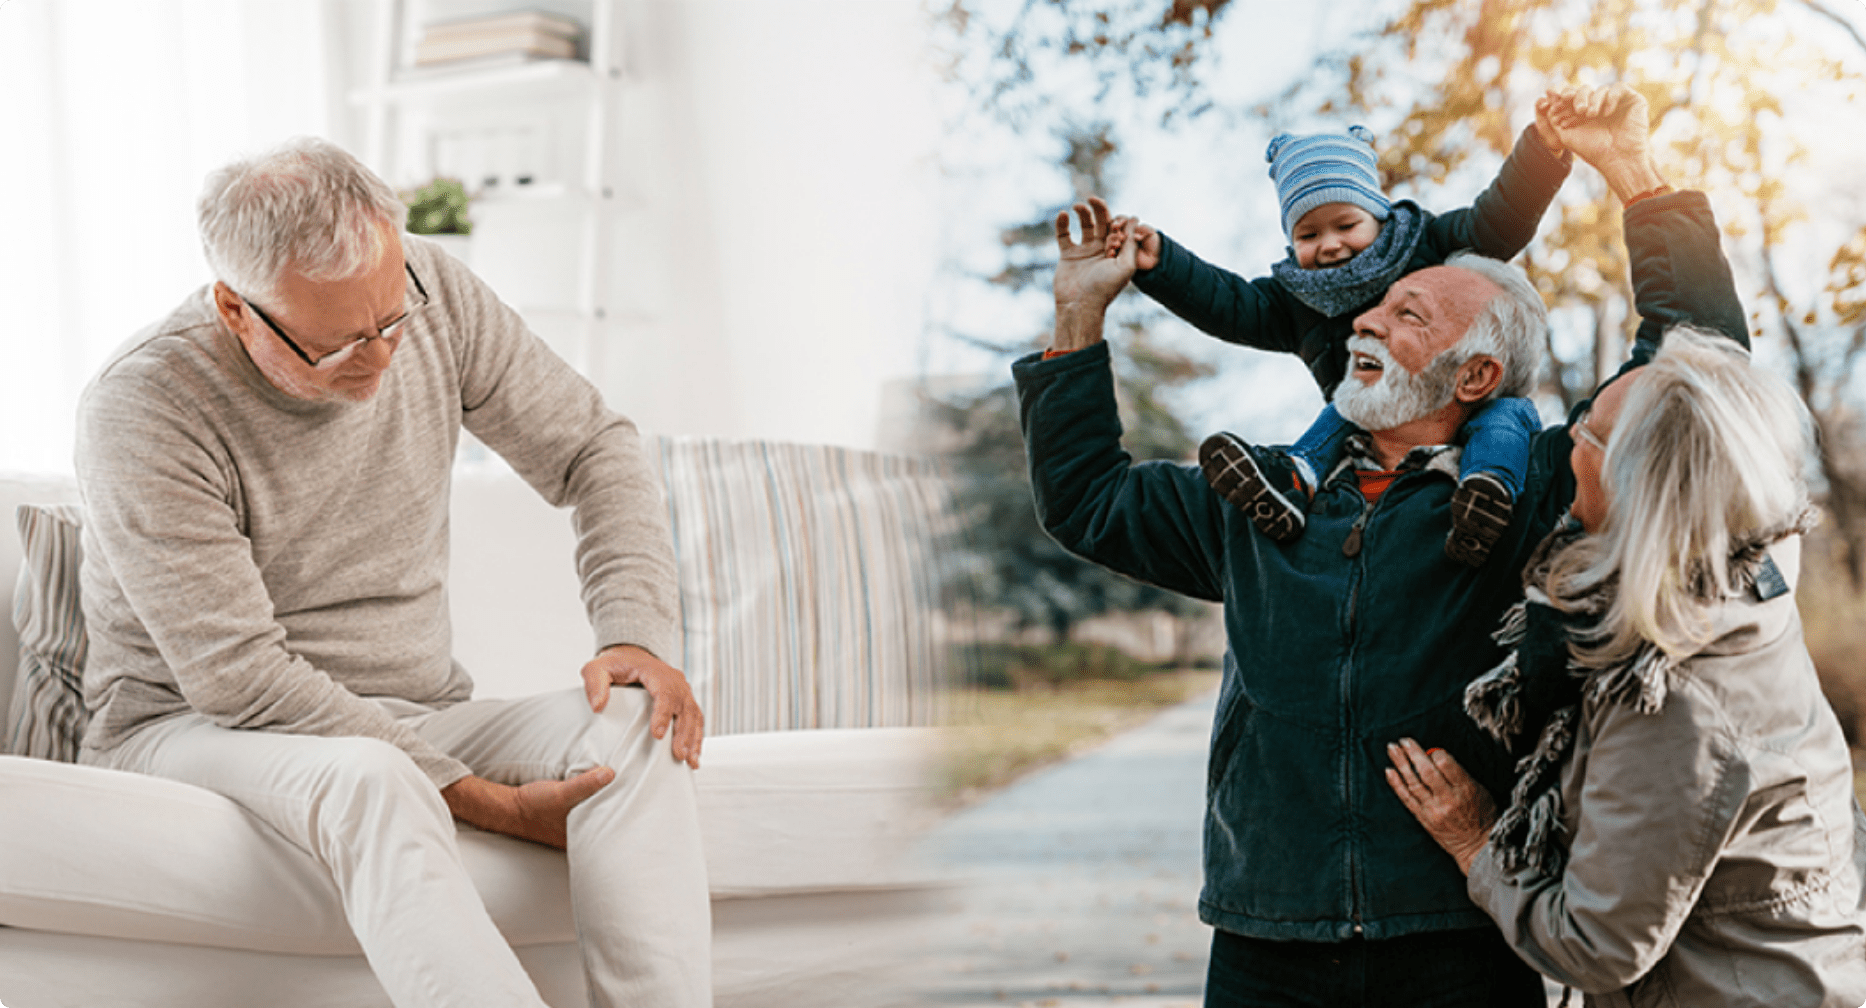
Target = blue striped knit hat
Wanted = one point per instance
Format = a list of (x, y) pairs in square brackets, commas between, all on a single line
[(1311, 171)]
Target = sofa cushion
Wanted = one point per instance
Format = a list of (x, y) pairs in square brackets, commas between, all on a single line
[(48, 715), (121, 855), (17, 489), (808, 582), (815, 811)]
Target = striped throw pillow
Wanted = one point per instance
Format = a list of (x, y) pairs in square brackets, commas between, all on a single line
[(48, 696), (809, 586)]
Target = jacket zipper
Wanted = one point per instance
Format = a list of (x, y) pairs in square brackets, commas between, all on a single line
[(1351, 548)]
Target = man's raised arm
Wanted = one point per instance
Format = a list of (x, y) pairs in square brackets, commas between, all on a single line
[(1155, 521)]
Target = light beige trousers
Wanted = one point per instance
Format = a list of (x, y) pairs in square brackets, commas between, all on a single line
[(362, 808)]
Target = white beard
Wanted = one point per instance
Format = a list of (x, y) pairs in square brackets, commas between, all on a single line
[(1400, 396)]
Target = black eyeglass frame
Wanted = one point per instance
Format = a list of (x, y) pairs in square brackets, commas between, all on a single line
[(381, 331)]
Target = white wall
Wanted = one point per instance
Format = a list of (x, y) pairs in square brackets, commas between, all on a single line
[(113, 111), (777, 154), (772, 221), (783, 149)]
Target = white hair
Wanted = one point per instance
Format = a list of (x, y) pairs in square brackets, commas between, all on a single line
[(306, 205), (1705, 459), (1511, 327)]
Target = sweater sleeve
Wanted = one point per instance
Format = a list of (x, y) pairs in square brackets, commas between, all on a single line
[(551, 425), (1502, 220), (1659, 799), (1155, 522), (159, 510), (1254, 313)]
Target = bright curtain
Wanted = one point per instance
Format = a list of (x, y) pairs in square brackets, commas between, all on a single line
[(111, 114)]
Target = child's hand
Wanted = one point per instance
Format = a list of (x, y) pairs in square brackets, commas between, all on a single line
[(1117, 236), (1545, 124), (1148, 255)]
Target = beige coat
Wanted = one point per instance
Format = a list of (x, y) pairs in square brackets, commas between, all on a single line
[(1716, 847)]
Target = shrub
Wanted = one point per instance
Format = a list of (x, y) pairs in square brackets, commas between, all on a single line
[(1022, 666)]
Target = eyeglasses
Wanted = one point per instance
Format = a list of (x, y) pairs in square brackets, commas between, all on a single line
[(1580, 427), (333, 360)]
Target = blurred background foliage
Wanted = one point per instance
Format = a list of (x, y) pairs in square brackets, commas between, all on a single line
[(1750, 101), (1009, 563)]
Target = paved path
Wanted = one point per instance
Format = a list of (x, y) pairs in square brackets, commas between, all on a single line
[(1081, 881)]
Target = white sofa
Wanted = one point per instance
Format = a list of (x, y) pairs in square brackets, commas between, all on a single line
[(806, 590)]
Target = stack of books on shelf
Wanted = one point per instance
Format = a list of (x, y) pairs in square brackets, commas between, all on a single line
[(515, 37)]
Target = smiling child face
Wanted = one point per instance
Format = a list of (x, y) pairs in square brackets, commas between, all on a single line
[(1332, 234)]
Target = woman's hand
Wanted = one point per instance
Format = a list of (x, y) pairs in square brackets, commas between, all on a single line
[(1609, 128), (1452, 807)]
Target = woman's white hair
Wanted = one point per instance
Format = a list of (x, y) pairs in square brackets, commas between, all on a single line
[(1512, 327), (306, 205), (1705, 459)]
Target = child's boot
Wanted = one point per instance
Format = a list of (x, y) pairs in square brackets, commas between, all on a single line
[(1480, 511), (1234, 472)]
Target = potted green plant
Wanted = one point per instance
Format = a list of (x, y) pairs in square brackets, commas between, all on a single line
[(438, 210)]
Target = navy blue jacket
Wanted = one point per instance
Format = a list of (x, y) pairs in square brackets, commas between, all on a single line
[(1331, 657), (1262, 313)]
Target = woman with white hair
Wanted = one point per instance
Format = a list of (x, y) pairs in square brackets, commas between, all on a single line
[(1683, 829)]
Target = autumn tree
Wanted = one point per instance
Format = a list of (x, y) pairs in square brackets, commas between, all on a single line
[(1006, 52), (1735, 88)]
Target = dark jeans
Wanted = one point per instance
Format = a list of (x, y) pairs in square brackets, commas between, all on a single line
[(1443, 969)]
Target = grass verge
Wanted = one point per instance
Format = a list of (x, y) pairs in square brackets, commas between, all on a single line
[(997, 736)]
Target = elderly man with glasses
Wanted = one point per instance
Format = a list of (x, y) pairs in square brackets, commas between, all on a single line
[(265, 476)]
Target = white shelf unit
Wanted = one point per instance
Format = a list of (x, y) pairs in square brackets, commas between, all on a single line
[(531, 141)]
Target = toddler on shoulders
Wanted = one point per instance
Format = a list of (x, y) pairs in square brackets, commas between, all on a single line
[(1347, 244)]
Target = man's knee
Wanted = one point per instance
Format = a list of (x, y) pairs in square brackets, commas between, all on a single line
[(628, 704)]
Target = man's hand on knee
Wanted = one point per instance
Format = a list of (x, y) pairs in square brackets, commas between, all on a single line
[(628, 665), (537, 811)]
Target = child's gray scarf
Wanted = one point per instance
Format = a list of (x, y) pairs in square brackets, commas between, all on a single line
[(1541, 684), (1341, 289)]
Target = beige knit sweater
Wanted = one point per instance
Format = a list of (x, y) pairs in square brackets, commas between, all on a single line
[(273, 563)]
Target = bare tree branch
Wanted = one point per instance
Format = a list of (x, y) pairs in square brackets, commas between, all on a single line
[(1818, 7)]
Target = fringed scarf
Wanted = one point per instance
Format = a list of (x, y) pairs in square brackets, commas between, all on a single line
[(1338, 290), (1537, 691)]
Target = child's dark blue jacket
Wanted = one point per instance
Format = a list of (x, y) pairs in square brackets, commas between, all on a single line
[(1330, 657)]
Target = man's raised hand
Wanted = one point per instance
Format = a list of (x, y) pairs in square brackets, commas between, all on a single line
[(1087, 280)]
